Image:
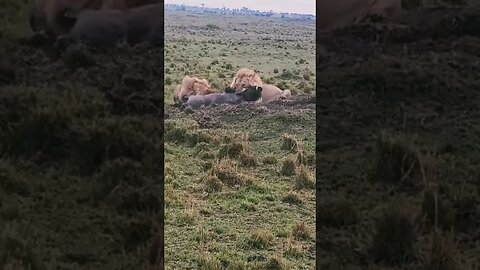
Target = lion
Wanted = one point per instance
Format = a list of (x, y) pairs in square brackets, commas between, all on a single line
[(245, 73), (108, 26), (270, 92), (49, 15), (336, 14), (191, 86)]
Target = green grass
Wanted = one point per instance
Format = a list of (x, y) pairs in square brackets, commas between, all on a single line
[(247, 214), (216, 54), (13, 20), (80, 170), (398, 170)]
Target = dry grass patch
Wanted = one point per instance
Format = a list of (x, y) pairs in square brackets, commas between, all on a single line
[(301, 230), (293, 249), (17, 250), (260, 238), (395, 234), (290, 143), (232, 149), (441, 252), (436, 209), (302, 158), (336, 212), (465, 200), (188, 217), (238, 265), (208, 262), (288, 167), (227, 171), (212, 183), (187, 132), (239, 149), (248, 206), (275, 263), (247, 159), (396, 162), (270, 159), (292, 198), (201, 236), (304, 178)]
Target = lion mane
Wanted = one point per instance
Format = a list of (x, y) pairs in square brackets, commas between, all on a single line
[(245, 77), (191, 86)]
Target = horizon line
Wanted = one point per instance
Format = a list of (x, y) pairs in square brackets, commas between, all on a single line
[(193, 5)]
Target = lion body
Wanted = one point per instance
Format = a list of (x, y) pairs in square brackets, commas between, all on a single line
[(48, 15), (105, 27), (245, 77), (191, 86), (336, 14)]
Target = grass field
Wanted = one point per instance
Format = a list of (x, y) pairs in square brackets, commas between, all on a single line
[(80, 153), (397, 154), (398, 145), (239, 180)]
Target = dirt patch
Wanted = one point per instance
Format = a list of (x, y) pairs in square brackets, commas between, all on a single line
[(212, 117)]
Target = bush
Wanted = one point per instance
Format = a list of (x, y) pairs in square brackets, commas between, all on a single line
[(394, 238)]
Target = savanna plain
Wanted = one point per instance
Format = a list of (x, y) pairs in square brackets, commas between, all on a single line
[(398, 145), (80, 152), (239, 179)]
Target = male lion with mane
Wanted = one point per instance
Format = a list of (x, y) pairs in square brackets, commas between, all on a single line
[(334, 14), (49, 15), (238, 83)]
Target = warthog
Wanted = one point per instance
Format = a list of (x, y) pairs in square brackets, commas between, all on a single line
[(106, 27), (252, 93), (49, 15), (333, 14)]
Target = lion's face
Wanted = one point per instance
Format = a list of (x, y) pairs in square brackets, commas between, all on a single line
[(239, 76), (201, 87), (193, 86), (244, 82)]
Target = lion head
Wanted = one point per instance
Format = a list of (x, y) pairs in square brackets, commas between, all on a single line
[(246, 81), (193, 86), (244, 78), (201, 87)]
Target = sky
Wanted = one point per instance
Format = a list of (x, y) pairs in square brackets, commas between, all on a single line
[(295, 6)]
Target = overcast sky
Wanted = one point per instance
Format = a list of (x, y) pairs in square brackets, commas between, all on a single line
[(296, 6)]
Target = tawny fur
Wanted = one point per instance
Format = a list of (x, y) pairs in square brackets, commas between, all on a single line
[(191, 86), (336, 14), (270, 92), (49, 13), (105, 27), (245, 77)]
